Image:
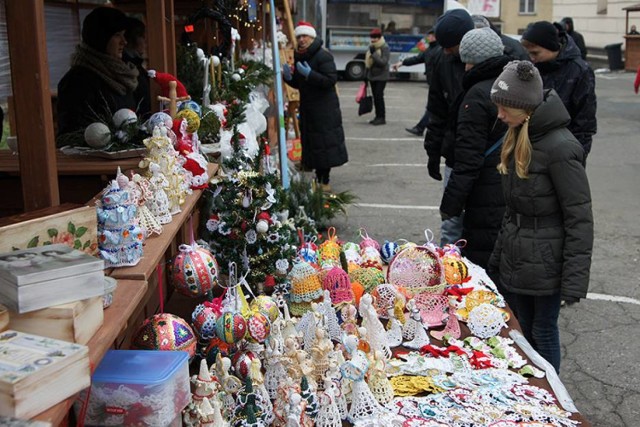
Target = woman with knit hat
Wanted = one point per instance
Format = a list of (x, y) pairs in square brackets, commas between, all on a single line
[(314, 74), (376, 63), (99, 82), (474, 185), (543, 251)]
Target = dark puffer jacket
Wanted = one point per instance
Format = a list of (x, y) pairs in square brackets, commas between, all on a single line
[(575, 83), (320, 116), (445, 94), (428, 57), (475, 185), (555, 255)]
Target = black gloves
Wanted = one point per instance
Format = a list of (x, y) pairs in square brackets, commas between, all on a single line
[(372, 49), (433, 166)]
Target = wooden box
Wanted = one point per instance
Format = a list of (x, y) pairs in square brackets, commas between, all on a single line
[(73, 322), (37, 373), (45, 276), (77, 228)]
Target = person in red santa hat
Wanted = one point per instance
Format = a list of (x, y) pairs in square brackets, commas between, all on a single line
[(314, 75)]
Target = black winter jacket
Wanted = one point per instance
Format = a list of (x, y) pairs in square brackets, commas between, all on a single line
[(428, 57), (84, 98), (322, 135), (555, 256), (576, 36), (574, 81), (445, 94), (475, 185)]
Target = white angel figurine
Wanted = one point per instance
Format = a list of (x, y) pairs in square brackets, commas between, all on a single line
[(420, 336), (376, 334)]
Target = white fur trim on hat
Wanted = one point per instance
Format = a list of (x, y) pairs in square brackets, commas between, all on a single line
[(305, 29)]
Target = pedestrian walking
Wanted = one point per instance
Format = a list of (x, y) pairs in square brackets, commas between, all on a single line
[(558, 59), (376, 64), (445, 94), (567, 24), (474, 185), (543, 252), (314, 75)]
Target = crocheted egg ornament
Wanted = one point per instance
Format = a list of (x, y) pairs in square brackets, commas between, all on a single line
[(194, 271), (192, 118), (165, 331), (368, 277), (329, 251), (417, 269), (338, 284), (485, 321), (258, 327), (455, 270), (203, 320), (267, 306), (231, 327), (191, 105), (388, 251), (371, 258), (241, 362), (305, 283), (368, 242)]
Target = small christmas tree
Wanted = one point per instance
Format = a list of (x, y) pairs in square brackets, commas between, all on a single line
[(309, 395)]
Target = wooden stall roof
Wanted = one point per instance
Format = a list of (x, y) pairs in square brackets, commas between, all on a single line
[(632, 8)]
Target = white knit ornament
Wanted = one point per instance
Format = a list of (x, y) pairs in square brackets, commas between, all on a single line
[(262, 226), (97, 135)]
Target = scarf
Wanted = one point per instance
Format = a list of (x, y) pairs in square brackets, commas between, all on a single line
[(118, 75), (368, 60)]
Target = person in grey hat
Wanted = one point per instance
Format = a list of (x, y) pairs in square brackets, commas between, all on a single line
[(512, 47), (474, 185), (445, 94), (99, 82), (543, 252)]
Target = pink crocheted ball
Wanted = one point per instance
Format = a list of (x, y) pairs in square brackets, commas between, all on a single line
[(194, 271)]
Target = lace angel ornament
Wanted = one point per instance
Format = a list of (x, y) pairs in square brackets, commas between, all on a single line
[(376, 334), (329, 415)]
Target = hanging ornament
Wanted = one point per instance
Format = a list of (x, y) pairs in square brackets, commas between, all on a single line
[(124, 116), (97, 135), (267, 306), (231, 327), (262, 226), (235, 77), (258, 327), (247, 199), (216, 60), (159, 119), (388, 251), (203, 320), (241, 362), (194, 271), (165, 331)]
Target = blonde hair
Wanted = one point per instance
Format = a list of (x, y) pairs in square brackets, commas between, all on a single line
[(516, 143)]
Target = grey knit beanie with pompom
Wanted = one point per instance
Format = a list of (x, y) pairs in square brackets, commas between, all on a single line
[(519, 86)]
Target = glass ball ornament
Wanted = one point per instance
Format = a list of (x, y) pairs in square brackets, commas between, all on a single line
[(194, 271), (123, 117), (167, 332), (159, 119), (235, 77), (97, 135)]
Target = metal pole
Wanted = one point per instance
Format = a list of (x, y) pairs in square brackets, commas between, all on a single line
[(282, 141)]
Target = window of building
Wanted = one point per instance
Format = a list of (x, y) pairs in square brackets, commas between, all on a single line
[(602, 7), (527, 7)]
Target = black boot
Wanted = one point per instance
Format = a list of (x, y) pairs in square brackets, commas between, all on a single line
[(415, 131), (378, 121)]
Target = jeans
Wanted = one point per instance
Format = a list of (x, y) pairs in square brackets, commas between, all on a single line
[(322, 175), (450, 229), (377, 91), (538, 317), (424, 121)]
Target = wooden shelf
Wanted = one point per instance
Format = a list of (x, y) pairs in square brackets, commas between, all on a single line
[(72, 165)]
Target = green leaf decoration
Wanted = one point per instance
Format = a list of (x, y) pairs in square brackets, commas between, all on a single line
[(33, 242), (52, 232), (86, 244), (80, 231), (71, 228), (46, 243), (77, 244)]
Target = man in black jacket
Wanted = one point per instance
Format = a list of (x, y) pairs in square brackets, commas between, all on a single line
[(558, 59), (567, 23), (427, 56), (445, 94)]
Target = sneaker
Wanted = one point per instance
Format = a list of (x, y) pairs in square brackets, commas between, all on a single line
[(415, 131), (378, 121)]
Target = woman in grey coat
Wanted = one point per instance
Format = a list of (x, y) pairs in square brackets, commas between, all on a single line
[(376, 64), (543, 251)]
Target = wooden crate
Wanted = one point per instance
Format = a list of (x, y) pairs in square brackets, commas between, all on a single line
[(73, 322)]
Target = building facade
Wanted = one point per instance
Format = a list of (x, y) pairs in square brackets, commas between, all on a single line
[(512, 16)]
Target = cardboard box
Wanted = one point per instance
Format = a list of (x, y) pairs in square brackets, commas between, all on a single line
[(73, 322), (41, 277), (37, 373)]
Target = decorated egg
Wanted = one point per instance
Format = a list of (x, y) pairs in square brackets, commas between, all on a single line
[(97, 135), (367, 241), (351, 246), (194, 271), (165, 331), (159, 119), (258, 327), (231, 327), (123, 117), (371, 258), (267, 306), (192, 118), (191, 105), (455, 270), (203, 320), (388, 251), (242, 363)]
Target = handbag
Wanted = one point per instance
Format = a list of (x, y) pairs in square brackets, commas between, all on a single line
[(362, 92), (366, 103)]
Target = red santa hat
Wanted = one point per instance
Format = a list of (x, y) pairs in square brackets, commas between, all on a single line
[(305, 29), (163, 80)]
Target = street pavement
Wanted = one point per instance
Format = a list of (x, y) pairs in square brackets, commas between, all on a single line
[(600, 335)]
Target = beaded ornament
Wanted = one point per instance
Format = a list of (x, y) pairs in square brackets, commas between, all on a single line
[(194, 271), (165, 331)]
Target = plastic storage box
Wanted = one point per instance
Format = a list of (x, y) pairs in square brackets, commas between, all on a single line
[(138, 387)]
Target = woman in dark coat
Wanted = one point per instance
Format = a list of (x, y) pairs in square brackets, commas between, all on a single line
[(543, 251), (474, 185), (315, 76), (99, 83)]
